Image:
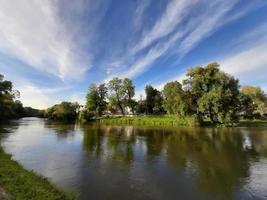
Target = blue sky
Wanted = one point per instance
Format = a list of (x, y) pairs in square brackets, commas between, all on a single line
[(53, 49)]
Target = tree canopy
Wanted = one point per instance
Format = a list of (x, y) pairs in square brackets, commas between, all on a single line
[(258, 97), (10, 106), (65, 111), (96, 99), (214, 93)]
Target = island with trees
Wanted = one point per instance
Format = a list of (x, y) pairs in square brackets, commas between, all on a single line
[(207, 96)]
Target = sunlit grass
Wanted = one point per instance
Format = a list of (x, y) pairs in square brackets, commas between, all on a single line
[(149, 120)]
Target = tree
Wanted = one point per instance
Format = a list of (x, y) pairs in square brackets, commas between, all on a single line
[(214, 92), (174, 98), (102, 92), (247, 106), (96, 99), (150, 101), (158, 104), (258, 97), (154, 100), (18, 109), (129, 91), (121, 94), (7, 96), (65, 111), (117, 93)]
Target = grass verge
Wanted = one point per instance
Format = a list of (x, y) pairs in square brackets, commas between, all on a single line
[(170, 121), (22, 184)]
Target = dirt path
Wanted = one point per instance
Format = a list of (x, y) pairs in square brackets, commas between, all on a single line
[(4, 195)]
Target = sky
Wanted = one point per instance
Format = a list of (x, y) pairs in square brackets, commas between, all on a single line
[(52, 50)]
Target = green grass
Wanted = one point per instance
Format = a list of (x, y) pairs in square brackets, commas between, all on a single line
[(170, 121), (252, 122), (22, 184)]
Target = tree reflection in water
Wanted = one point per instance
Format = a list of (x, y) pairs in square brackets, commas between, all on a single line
[(218, 160)]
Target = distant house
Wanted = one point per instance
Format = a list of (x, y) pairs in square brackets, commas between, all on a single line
[(80, 108), (116, 110)]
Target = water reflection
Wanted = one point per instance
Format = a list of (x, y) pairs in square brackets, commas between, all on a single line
[(125, 162), (218, 160)]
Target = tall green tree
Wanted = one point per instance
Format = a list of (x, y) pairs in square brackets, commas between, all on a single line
[(214, 92), (7, 96), (154, 100), (117, 93), (96, 99), (258, 97), (129, 89), (122, 92), (247, 106), (174, 98)]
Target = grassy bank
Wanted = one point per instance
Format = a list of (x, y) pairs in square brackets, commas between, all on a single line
[(149, 120), (169, 121), (22, 184)]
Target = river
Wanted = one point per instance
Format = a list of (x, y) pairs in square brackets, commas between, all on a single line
[(124, 162)]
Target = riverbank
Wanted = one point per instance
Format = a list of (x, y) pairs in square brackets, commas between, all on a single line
[(168, 121), (18, 183)]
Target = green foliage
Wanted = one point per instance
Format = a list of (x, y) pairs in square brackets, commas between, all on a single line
[(6, 99), (10, 107), (117, 93), (122, 92), (214, 92), (154, 101), (247, 106), (129, 93), (258, 98), (141, 107), (65, 111), (151, 120), (174, 98), (96, 99), (85, 116), (23, 184)]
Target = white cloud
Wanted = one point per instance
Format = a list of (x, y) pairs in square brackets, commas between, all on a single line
[(35, 97), (185, 37), (249, 64), (33, 31), (139, 12), (175, 12), (208, 23), (39, 97)]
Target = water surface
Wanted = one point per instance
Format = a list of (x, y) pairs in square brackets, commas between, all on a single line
[(125, 162)]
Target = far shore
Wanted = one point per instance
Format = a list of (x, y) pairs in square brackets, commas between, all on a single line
[(168, 121)]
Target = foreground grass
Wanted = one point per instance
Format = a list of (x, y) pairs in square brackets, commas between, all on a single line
[(149, 120), (22, 184)]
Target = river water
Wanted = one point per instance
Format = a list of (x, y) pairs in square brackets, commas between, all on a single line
[(124, 162)]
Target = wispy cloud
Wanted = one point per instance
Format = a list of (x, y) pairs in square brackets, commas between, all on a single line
[(248, 65), (139, 12), (249, 57), (175, 12), (34, 32), (184, 36)]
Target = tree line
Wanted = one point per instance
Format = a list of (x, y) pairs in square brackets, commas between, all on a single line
[(10, 106), (207, 93)]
